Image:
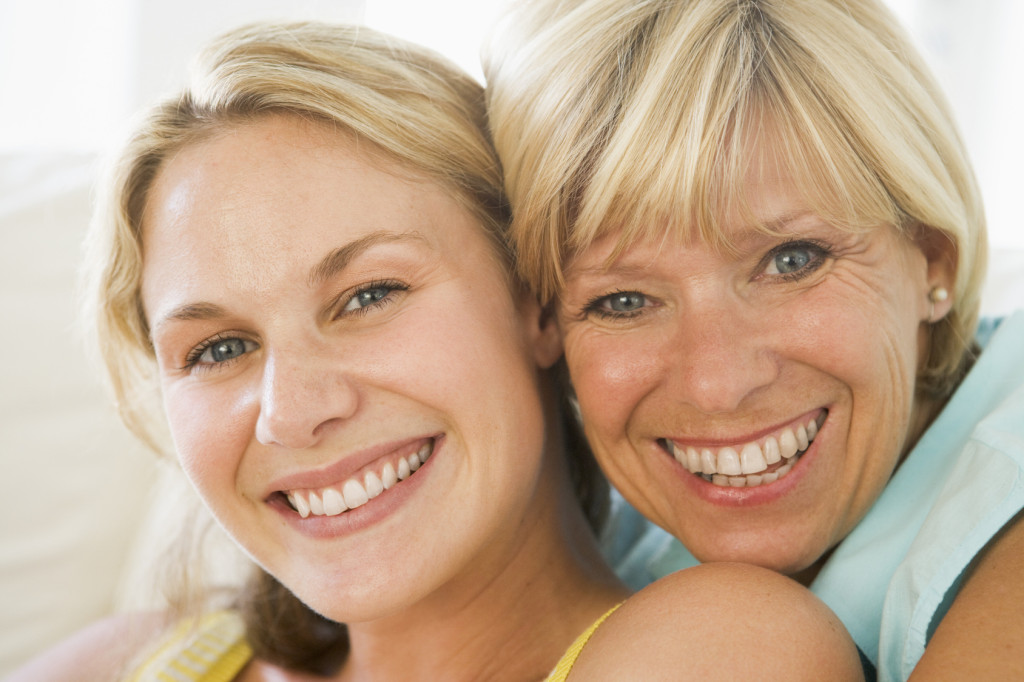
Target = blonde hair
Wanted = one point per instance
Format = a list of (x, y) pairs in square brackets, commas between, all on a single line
[(633, 116), (392, 96), (395, 99)]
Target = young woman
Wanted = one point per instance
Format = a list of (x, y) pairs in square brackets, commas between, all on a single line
[(306, 252), (765, 247)]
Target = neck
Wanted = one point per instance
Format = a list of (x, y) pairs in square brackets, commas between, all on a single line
[(509, 616)]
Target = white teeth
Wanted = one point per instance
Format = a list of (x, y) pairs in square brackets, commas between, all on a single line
[(334, 503), (708, 461), (374, 486), (693, 460), (787, 444), (330, 502), (301, 505), (744, 466), (729, 462), (354, 494), (425, 452), (752, 460), (388, 477)]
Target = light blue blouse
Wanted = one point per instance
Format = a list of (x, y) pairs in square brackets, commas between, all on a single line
[(894, 576)]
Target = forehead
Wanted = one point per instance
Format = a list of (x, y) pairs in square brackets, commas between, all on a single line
[(275, 162), (281, 177), (262, 202)]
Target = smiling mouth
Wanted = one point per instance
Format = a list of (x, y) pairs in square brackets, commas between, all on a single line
[(355, 492), (752, 464)]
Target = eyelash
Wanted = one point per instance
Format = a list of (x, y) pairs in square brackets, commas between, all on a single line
[(388, 299), (193, 364), (594, 306), (192, 359), (819, 253)]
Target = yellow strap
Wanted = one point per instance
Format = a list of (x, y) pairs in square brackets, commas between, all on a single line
[(564, 666), (212, 650)]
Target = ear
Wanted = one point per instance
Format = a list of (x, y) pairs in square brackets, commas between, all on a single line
[(542, 331), (941, 256)]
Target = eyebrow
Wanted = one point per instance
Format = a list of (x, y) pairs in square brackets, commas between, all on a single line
[(333, 263), (192, 311), (605, 268), (779, 223), (338, 259)]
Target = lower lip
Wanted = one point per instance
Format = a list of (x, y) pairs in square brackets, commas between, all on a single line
[(369, 514)]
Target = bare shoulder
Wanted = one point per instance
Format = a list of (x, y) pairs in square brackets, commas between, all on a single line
[(98, 652), (721, 622), (982, 635)]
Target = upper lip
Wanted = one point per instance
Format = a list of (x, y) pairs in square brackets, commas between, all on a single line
[(345, 467), (750, 436)]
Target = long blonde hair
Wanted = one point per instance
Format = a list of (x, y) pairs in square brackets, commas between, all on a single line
[(392, 96), (395, 99)]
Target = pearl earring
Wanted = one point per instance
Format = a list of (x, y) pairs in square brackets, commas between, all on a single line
[(936, 295)]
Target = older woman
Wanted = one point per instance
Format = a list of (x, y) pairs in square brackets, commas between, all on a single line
[(305, 254), (765, 247)]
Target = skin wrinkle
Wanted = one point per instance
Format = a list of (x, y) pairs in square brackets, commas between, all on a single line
[(725, 350)]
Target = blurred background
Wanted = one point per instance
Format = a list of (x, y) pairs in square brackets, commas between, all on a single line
[(79, 519), (71, 73)]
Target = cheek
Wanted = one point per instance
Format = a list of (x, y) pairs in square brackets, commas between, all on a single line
[(611, 375), (210, 434)]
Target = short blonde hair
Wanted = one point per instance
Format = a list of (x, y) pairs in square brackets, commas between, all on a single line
[(393, 97), (632, 115)]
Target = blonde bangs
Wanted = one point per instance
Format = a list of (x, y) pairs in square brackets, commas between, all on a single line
[(752, 105), (648, 120)]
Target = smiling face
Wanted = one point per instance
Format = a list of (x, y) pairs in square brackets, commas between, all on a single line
[(348, 379), (753, 402)]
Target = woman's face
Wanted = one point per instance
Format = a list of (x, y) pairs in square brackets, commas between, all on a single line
[(754, 403), (350, 384)]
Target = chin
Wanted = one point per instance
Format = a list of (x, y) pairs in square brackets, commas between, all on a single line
[(759, 553)]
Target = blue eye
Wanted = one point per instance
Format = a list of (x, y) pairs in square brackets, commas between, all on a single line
[(367, 297), (620, 305), (625, 302), (372, 295), (220, 350), (795, 259)]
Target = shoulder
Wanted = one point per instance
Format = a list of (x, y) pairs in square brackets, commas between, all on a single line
[(721, 622), (101, 651), (980, 637)]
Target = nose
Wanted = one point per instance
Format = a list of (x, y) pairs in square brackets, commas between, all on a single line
[(301, 396), (719, 357)]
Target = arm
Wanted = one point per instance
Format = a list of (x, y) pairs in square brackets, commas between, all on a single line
[(721, 622), (982, 635), (97, 653)]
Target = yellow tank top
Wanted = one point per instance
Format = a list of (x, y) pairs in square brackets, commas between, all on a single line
[(215, 650), (564, 666), (210, 650)]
